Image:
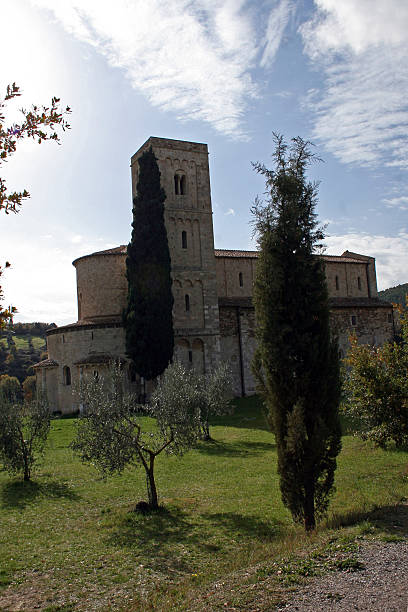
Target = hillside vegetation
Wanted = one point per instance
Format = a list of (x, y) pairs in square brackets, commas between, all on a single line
[(21, 346), (395, 295)]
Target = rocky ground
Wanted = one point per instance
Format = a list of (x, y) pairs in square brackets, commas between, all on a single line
[(381, 585)]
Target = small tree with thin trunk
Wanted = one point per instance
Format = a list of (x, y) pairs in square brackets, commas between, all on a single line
[(10, 388), (216, 396), (112, 435), (24, 429), (297, 361)]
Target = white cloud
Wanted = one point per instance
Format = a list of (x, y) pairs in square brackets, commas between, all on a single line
[(277, 22), (230, 211), (391, 253), (356, 24), (400, 202), (361, 114), (77, 239), (193, 58)]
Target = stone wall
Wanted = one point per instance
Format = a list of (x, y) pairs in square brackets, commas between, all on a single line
[(188, 216), (372, 322), (235, 273), (77, 347), (370, 319), (101, 285), (237, 332), (346, 276)]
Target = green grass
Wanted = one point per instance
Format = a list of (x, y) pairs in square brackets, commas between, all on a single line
[(21, 342), (72, 540)]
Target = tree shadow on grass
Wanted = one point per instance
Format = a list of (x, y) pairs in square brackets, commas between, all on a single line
[(391, 519), (161, 537), (19, 494), (239, 525), (171, 541), (234, 449)]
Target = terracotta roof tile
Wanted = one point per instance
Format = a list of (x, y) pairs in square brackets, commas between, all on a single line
[(242, 302), (96, 358), (120, 250), (232, 253), (254, 255), (355, 302), (46, 363), (346, 257), (341, 259), (101, 323)]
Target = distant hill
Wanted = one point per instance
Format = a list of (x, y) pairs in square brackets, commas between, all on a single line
[(396, 295), (21, 346)]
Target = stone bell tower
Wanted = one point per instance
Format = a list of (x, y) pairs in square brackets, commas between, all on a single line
[(188, 217)]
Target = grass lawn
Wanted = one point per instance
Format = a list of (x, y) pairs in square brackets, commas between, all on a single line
[(21, 342), (70, 541)]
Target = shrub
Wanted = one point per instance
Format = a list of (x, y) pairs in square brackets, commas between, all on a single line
[(24, 428), (376, 390)]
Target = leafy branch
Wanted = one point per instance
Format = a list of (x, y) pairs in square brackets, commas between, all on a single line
[(39, 123)]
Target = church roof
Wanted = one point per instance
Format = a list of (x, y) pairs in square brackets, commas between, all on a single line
[(46, 363), (96, 358), (346, 257), (233, 253), (120, 250)]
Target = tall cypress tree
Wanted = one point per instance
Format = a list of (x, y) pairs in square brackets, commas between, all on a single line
[(148, 317), (296, 361)]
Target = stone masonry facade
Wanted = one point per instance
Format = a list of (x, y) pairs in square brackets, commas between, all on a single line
[(213, 313)]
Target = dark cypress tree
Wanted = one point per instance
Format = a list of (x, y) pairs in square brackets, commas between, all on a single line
[(148, 317), (297, 361)]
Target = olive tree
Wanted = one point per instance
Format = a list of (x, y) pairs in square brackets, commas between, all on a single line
[(112, 435), (216, 396), (24, 428)]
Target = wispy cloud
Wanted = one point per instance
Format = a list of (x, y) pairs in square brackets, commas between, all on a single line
[(400, 202), (193, 58), (277, 22), (361, 113), (230, 211), (391, 253)]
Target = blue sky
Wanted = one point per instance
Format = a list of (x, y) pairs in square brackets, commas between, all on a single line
[(224, 72)]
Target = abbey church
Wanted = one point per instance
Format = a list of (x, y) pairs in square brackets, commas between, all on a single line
[(213, 313)]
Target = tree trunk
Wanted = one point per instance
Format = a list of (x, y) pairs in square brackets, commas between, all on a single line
[(309, 507), (27, 471), (206, 431), (151, 485)]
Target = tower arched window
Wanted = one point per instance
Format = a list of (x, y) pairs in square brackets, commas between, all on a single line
[(66, 374), (180, 184), (359, 283), (183, 239), (241, 279), (337, 283), (187, 302)]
